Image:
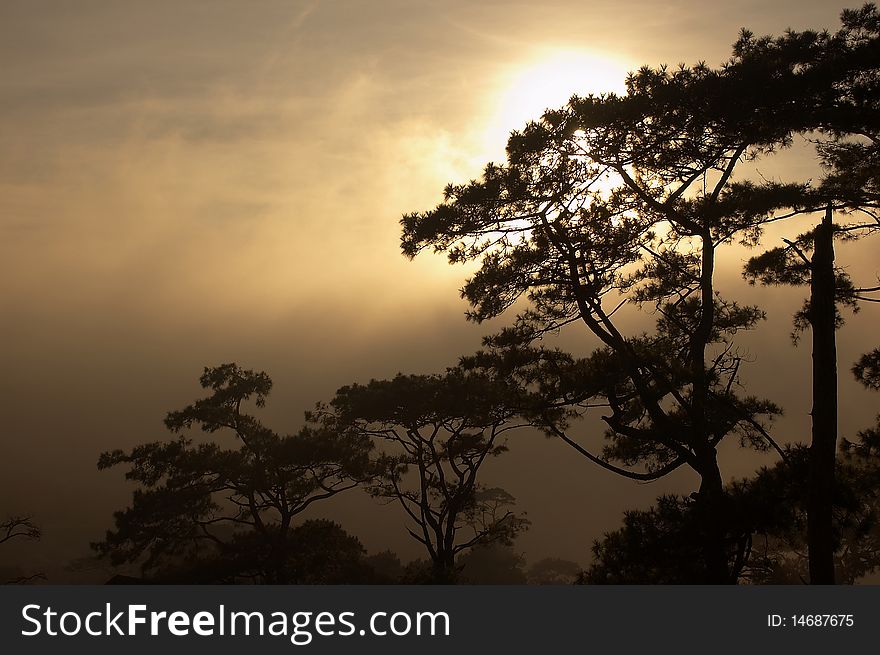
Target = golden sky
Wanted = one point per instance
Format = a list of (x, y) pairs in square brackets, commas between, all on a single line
[(187, 183)]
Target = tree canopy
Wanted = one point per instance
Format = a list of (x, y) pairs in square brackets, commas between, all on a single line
[(627, 198), (195, 498), (435, 433), (611, 205)]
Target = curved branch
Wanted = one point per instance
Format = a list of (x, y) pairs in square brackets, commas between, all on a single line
[(632, 475)]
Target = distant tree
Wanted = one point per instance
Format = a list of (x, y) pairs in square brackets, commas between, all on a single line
[(553, 571), (20, 527), (492, 564), (386, 566), (419, 571), (233, 505), (318, 552), (435, 433)]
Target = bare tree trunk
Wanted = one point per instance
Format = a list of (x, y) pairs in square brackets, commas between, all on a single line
[(443, 569), (712, 515), (710, 500), (824, 415)]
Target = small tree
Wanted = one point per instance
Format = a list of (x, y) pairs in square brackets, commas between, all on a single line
[(553, 571), (237, 503), (493, 564), (436, 433), (20, 527)]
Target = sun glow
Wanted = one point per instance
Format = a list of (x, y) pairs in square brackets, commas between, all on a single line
[(546, 81)]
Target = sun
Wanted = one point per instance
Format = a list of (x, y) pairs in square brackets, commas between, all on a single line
[(547, 80)]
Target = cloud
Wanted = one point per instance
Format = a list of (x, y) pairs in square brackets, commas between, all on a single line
[(186, 183)]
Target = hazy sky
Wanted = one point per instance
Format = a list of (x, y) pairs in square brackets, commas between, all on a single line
[(189, 183)]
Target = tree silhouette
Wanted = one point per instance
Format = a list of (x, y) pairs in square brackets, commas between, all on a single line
[(600, 204), (767, 537), (386, 567), (436, 432), (627, 198), (858, 551), (492, 564), (769, 540), (661, 545), (830, 288), (318, 551), (237, 504), (656, 546), (855, 521), (20, 527), (839, 77), (553, 571)]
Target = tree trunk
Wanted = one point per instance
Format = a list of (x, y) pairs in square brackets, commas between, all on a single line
[(710, 500), (712, 516), (823, 448), (443, 569)]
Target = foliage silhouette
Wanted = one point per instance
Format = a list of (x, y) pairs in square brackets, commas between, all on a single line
[(436, 431), (386, 567), (845, 114), (20, 527), (767, 541), (867, 369), (235, 505), (656, 546), (553, 571), (830, 287), (544, 227), (611, 200), (492, 564), (317, 551), (599, 203)]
